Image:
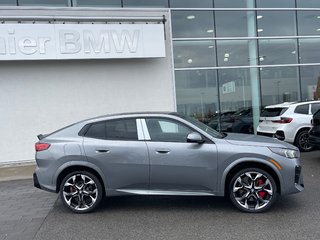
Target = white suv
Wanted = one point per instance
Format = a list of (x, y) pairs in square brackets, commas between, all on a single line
[(290, 122)]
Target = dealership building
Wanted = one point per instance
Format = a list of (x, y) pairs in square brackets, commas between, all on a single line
[(62, 61)]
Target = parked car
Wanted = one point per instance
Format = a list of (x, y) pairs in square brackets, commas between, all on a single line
[(222, 122), (290, 122), (314, 133), (163, 154)]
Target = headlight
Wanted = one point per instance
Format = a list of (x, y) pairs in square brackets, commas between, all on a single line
[(288, 153)]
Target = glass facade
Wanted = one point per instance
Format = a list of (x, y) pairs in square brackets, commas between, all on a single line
[(233, 57)]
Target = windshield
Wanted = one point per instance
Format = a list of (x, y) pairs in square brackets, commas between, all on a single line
[(203, 126)]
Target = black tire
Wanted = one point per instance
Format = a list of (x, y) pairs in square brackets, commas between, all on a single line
[(302, 141), (256, 201), (81, 192)]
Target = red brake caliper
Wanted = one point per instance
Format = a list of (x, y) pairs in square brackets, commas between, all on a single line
[(262, 194)]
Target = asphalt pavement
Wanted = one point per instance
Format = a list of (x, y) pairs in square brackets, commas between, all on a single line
[(138, 217)]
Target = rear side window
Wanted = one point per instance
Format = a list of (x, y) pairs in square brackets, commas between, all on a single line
[(315, 107), (122, 129), (302, 109), (273, 112)]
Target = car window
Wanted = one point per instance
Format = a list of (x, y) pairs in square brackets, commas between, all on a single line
[(273, 112), (316, 118), (302, 109), (315, 107), (165, 130), (122, 129), (97, 130)]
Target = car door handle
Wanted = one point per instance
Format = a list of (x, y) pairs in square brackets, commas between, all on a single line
[(163, 151), (102, 151)]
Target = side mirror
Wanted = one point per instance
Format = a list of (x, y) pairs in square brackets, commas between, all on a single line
[(195, 137)]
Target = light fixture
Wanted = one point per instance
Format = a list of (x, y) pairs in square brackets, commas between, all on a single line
[(226, 55), (259, 17), (260, 30), (318, 30), (261, 58), (189, 61), (226, 59), (210, 31), (318, 17), (293, 52), (190, 17), (210, 46)]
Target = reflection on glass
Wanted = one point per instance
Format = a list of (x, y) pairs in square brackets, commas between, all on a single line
[(308, 3), (194, 54), (230, 3), (309, 23), (233, 52), (235, 95), (279, 84), (197, 93), (276, 23), (277, 51), (8, 2), (308, 50), (145, 3), (231, 23), (43, 2), (192, 24), (99, 3), (191, 4), (310, 79), (276, 3)]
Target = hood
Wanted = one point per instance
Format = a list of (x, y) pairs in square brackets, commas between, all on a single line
[(254, 140)]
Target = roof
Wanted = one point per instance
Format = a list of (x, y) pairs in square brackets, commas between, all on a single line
[(287, 104)]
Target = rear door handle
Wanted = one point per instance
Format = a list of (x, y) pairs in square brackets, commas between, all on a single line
[(102, 151), (163, 151)]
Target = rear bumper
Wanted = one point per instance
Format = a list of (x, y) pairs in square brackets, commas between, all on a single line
[(35, 181)]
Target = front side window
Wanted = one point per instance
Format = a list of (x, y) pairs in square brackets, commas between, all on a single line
[(165, 130), (122, 129), (302, 109)]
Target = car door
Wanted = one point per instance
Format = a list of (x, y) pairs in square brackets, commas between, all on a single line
[(114, 146), (177, 165)]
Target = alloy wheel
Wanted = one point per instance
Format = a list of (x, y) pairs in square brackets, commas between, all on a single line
[(253, 191), (303, 142), (80, 192)]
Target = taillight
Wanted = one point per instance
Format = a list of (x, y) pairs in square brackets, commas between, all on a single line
[(283, 120), (41, 146)]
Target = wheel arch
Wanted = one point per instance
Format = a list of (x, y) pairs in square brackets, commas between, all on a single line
[(229, 173), (79, 167)]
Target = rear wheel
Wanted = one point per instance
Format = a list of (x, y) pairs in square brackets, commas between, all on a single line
[(252, 190), (81, 191), (302, 141)]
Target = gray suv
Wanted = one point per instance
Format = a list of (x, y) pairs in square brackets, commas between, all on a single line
[(163, 154)]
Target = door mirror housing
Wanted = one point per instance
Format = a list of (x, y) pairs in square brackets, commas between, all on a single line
[(195, 137)]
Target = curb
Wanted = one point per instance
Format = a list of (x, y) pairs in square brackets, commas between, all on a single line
[(9, 172)]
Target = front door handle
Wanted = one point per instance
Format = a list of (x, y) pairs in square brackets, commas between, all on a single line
[(163, 151)]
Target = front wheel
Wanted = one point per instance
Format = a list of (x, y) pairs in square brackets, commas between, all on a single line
[(252, 190), (81, 191)]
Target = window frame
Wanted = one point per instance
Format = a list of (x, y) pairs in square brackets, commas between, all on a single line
[(307, 104)]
